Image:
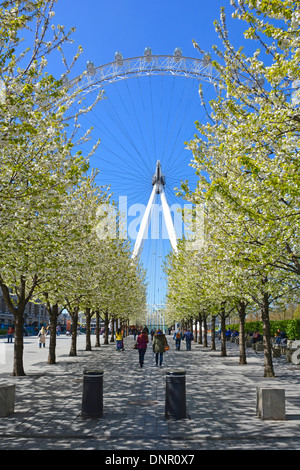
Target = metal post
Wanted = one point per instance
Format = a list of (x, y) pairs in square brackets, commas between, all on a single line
[(175, 404), (92, 396)]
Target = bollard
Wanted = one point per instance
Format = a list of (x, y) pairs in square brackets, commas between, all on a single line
[(276, 351), (7, 400), (270, 403), (92, 395), (175, 404)]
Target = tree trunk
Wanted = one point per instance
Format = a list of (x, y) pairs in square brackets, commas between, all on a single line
[(53, 313), (18, 369), (18, 313), (200, 329), (106, 325), (205, 343), (268, 364), (74, 316), (213, 333), (88, 346), (223, 330), (242, 346), (196, 332), (112, 335), (97, 331)]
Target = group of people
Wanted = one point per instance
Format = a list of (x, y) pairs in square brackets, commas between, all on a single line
[(42, 334), (187, 336), (229, 333), (280, 337), (255, 337), (160, 344)]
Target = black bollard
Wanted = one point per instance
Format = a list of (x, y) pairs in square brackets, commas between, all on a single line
[(175, 405), (92, 395)]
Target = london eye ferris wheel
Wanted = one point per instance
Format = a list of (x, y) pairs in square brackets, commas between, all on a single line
[(147, 114)]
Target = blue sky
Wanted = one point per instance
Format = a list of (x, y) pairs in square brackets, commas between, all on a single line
[(106, 26), (129, 26)]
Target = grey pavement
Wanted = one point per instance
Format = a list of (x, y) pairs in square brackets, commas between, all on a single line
[(220, 394)]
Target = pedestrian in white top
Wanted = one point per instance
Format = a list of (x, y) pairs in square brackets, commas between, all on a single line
[(42, 337)]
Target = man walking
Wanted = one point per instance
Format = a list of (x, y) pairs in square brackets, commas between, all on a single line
[(188, 336), (10, 333), (178, 337)]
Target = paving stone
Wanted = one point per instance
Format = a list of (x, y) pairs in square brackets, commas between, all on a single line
[(221, 401)]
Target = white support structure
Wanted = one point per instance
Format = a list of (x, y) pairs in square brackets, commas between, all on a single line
[(158, 183), (139, 243), (169, 221)]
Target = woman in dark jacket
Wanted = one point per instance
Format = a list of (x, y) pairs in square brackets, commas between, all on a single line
[(159, 344), (142, 342)]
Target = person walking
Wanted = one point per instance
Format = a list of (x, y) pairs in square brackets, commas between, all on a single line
[(119, 339), (188, 337), (178, 337), (142, 341), (159, 344), (10, 333), (42, 337)]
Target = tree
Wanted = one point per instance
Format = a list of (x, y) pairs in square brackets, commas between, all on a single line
[(247, 155), (38, 161)]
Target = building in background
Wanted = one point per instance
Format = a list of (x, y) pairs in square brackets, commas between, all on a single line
[(35, 314)]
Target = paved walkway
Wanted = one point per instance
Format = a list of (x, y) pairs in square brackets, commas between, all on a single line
[(221, 401)]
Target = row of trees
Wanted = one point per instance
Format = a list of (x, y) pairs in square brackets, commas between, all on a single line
[(50, 244), (247, 160)]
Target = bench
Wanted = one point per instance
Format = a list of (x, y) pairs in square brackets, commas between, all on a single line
[(293, 355)]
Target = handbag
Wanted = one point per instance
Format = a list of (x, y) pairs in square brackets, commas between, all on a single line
[(167, 347), (134, 346)]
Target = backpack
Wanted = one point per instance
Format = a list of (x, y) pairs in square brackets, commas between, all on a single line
[(178, 335)]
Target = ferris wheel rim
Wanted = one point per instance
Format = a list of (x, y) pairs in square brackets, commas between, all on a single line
[(158, 64)]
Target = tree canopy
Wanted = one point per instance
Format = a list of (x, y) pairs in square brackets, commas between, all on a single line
[(247, 158)]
